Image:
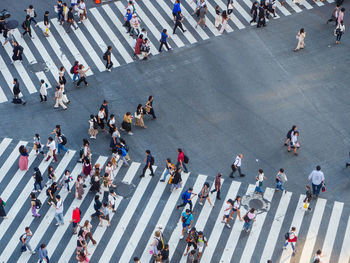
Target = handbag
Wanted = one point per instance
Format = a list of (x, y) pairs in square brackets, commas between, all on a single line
[(323, 188), (170, 179)]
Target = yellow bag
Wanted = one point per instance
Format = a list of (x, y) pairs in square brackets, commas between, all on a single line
[(170, 179), (306, 205)]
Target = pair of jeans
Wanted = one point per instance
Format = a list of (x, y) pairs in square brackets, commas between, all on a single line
[(280, 186), (35, 184), (47, 260), (184, 204), (26, 243), (339, 35), (184, 166), (60, 16), (247, 225), (33, 20), (259, 189), (291, 243), (59, 218), (316, 188), (61, 147), (165, 174), (75, 76)]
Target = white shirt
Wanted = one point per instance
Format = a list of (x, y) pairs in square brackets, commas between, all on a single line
[(111, 199), (236, 205), (91, 122), (30, 12), (341, 27), (82, 6), (43, 90), (101, 114), (316, 177), (59, 207), (238, 161), (294, 139), (52, 145), (228, 207)]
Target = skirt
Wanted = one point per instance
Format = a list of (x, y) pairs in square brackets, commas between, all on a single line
[(126, 126), (23, 163), (139, 122)]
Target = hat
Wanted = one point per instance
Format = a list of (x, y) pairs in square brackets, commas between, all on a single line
[(134, 14)]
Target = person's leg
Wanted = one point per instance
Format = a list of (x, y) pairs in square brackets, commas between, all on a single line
[(79, 81), (285, 244), (167, 46), (151, 169), (185, 168), (160, 46), (176, 25), (35, 186), (313, 189), (191, 205), (29, 247), (144, 170), (54, 155), (165, 174), (218, 194), (182, 205), (293, 246), (239, 171), (59, 146), (60, 216)]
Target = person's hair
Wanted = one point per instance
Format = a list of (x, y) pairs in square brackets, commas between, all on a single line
[(318, 168), (70, 8), (164, 30), (80, 66), (237, 197), (85, 141), (141, 36), (61, 68), (50, 139), (42, 81), (47, 12), (128, 113), (319, 252), (15, 79), (308, 187), (219, 174), (193, 252), (261, 171), (27, 17), (294, 228), (217, 7), (66, 171), (148, 151), (200, 233), (76, 63), (50, 168), (97, 197), (190, 189), (188, 211), (37, 135), (136, 259), (104, 204), (27, 228), (317, 260), (343, 9), (30, 7), (224, 14), (282, 170), (108, 48), (296, 133), (157, 233), (252, 210), (139, 106), (293, 127), (168, 159), (42, 246), (179, 150), (150, 97), (92, 116), (166, 246), (301, 30), (58, 197), (22, 149), (32, 195)]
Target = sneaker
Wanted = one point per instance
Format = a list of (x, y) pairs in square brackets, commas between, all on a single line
[(228, 226), (222, 221), (34, 191), (32, 252), (200, 203), (57, 224), (142, 175), (161, 180), (181, 237)]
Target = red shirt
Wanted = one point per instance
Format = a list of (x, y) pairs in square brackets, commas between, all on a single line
[(181, 157), (217, 182), (76, 215)]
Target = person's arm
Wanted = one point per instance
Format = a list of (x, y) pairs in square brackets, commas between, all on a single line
[(190, 226)]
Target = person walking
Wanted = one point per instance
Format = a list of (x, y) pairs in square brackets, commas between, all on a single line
[(202, 13), (227, 208), (62, 141), (59, 8), (178, 22), (294, 143), (254, 12), (163, 40), (43, 254), (201, 243), (16, 93), (249, 218), (46, 24), (301, 39), (79, 187), (70, 20), (139, 117), (37, 179), (97, 207), (138, 43), (187, 198), (291, 238), (126, 124), (205, 194), (82, 11), (25, 239), (259, 182), (317, 257), (51, 192), (149, 107), (101, 116), (176, 9), (187, 220), (281, 178), (149, 162), (104, 215), (236, 207), (176, 180), (108, 57), (217, 186), (191, 239), (66, 179), (26, 27), (157, 244), (334, 16), (317, 179), (181, 160), (17, 52), (75, 219), (52, 149), (135, 25), (82, 76), (93, 125), (169, 169), (308, 198), (340, 16), (87, 229), (43, 91), (261, 16), (34, 204), (23, 159), (2, 209), (74, 71), (225, 18), (127, 18), (340, 30), (218, 17), (289, 135), (59, 98), (237, 166), (59, 211), (32, 14)]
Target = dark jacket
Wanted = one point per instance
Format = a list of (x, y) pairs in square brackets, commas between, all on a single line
[(16, 90)]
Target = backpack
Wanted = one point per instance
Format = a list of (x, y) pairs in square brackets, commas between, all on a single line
[(38, 176), (20, 238), (152, 160), (20, 49), (72, 70), (63, 139), (38, 204), (286, 235), (105, 56), (124, 153), (160, 245), (186, 159)]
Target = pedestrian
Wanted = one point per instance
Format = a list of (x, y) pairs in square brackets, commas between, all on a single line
[(249, 218), (32, 14), (66, 179), (191, 258), (85, 151), (108, 57), (178, 22), (139, 117), (217, 186), (25, 239), (95, 179), (291, 238), (294, 143), (82, 11), (104, 215), (93, 131), (64, 95), (187, 198), (75, 219), (37, 179), (176, 9), (335, 14), (163, 40), (201, 243), (176, 180), (237, 166), (158, 244), (137, 260), (181, 160), (227, 208), (254, 12), (123, 145), (23, 159), (8, 36), (43, 254), (127, 19), (114, 139), (149, 160), (59, 98), (46, 24), (34, 204), (169, 169), (52, 149), (281, 178), (135, 25), (86, 168), (37, 145), (17, 52), (202, 13), (26, 27), (81, 245), (82, 76), (79, 187), (51, 176), (187, 220), (109, 171), (101, 116), (43, 91), (317, 257), (317, 180), (340, 16), (259, 182), (61, 142), (105, 187), (205, 194), (59, 210), (301, 39), (236, 207), (229, 7), (112, 199), (145, 48), (97, 207), (70, 20), (308, 198), (16, 93), (340, 30), (164, 254), (59, 8), (87, 230), (225, 18), (149, 107), (218, 17), (261, 16), (299, 2), (191, 239), (74, 71), (105, 106), (2, 209), (126, 124), (65, 15), (289, 134), (122, 154)]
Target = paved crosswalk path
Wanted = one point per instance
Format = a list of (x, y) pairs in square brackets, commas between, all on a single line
[(150, 204), (44, 56)]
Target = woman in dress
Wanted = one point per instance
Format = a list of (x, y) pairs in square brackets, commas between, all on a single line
[(149, 107), (289, 134), (138, 45), (51, 176), (2, 208), (95, 179), (225, 18), (301, 39), (126, 124), (87, 229), (79, 187), (86, 167), (139, 117), (23, 159), (33, 205), (17, 52)]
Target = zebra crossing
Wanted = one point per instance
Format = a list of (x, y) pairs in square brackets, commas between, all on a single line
[(43, 56), (150, 205)]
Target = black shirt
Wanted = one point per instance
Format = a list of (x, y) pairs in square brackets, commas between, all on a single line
[(70, 15), (165, 254), (46, 20), (16, 90)]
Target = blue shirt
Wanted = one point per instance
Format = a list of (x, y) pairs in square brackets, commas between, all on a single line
[(128, 16), (42, 253), (163, 37), (186, 196), (148, 160), (189, 218), (176, 8)]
